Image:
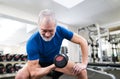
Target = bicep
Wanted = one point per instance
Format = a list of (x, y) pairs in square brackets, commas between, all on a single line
[(33, 66), (33, 63)]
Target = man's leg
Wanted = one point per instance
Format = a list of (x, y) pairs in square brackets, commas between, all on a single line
[(69, 68)]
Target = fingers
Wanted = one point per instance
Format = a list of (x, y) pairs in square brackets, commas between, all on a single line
[(78, 68), (51, 67)]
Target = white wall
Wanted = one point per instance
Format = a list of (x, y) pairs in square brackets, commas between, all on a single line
[(73, 49), (13, 49)]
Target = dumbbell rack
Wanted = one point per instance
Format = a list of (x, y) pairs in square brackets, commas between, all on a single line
[(7, 75), (16, 61)]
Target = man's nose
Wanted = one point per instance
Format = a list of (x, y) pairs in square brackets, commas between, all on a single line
[(47, 34)]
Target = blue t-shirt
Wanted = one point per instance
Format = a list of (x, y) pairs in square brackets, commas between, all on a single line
[(45, 51)]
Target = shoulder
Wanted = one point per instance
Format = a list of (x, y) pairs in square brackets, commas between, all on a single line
[(64, 32), (61, 29)]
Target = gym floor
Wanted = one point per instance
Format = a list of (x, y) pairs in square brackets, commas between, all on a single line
[(92, 74)]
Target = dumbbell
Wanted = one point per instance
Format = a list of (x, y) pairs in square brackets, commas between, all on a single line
[(17, 66), (23, 57), (61, 60), (8, 57), (9, 68), (2, 57), (2, 69), (16, 57)]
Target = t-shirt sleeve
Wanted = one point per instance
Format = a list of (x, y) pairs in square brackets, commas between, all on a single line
[(32, 50), (67, 34)]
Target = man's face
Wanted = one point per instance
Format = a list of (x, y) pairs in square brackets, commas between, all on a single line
[(47, 29)]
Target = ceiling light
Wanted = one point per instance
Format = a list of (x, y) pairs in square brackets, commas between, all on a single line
[(68, 3)]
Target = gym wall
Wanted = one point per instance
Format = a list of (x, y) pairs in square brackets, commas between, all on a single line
[(13, 49), (73, 49)]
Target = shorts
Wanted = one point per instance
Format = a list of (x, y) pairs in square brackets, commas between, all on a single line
[(54, 74)]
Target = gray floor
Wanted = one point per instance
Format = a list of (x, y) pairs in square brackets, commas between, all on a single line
[(92, 74), (62, 77), (115, 72)]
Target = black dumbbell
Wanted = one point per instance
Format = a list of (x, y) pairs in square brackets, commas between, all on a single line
[(2, 57), (2, 69), (16, 57), (8, 57), (17, 66), (61, 60), (9, 68), (23, 57)]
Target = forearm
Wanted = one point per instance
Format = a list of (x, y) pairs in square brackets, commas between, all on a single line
[(84, 55), (44, 70), (84, 50), (36, 71)]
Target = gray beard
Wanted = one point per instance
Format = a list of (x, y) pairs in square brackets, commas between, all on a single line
[(46, 39)]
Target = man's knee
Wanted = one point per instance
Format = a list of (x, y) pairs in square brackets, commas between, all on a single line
[(83, 74), (84, 71)]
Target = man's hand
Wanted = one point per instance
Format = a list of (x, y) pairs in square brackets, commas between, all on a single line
[(78, 67)]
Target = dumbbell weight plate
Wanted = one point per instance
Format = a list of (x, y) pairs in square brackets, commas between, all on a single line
[(9, 68), (2, 69), (61, 60)]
